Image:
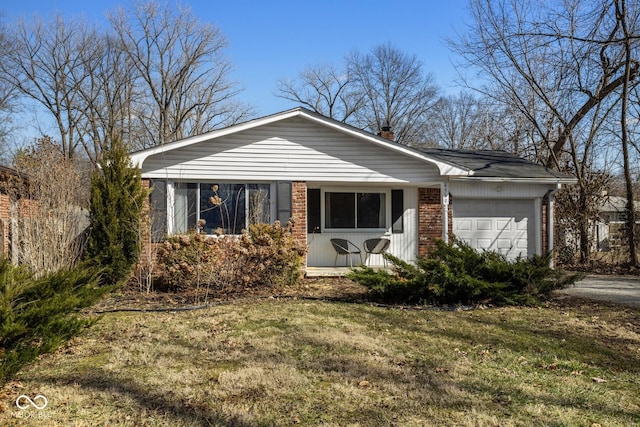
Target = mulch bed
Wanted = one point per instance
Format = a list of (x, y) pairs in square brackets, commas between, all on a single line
[(132, 298)]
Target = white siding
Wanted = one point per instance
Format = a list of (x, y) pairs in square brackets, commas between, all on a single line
[(497, 190), (291, 149), (403, 245)]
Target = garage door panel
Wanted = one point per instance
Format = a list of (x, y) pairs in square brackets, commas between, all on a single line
[(503, 243), (481, 243), (464, 225), (483, 224), (521, 244), (505, 226)]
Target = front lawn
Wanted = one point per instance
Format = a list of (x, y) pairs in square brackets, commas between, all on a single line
[(296, 361)]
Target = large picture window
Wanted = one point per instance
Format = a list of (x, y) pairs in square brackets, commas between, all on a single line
[(228, 207), (355, 210)]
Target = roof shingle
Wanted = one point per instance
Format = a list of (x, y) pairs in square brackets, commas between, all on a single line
[(494, 164)]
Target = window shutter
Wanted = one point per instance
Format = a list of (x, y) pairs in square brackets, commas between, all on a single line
[(158, 209), (397, 211), (313, 210), (283, 201)]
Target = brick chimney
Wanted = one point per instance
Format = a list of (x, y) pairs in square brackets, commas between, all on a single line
[(386, 133)]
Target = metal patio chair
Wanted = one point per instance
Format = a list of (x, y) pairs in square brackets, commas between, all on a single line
[(376, 247), (345, 247)]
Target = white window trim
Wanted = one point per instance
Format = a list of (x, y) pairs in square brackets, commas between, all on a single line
[(171, 193), (171, 188), (354, 190)]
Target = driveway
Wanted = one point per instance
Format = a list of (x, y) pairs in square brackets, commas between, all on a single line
[(618, 289)]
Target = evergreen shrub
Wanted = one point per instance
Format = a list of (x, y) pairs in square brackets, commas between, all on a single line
[(455, 273), (39, 314), (117, 201)]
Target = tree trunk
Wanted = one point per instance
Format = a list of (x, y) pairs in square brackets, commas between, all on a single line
[(583, 227), (630, 221)]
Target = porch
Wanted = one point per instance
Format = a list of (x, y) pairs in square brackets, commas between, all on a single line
[(333, 271), (327, 271)]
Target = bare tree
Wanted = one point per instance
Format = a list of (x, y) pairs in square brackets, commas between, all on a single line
[(107, 98), (396, 92), (461, 122), (376, 90), (180, 62), (554, 61), (157, 75), (46, 65), (630, 66), (8, 105), (561, 67), (325, 90), (77, 74)]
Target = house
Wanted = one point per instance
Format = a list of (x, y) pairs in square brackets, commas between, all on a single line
[(334, 180), (607, 231)]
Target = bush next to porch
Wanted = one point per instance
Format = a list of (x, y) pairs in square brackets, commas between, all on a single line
[(265, 256), (457, 274)]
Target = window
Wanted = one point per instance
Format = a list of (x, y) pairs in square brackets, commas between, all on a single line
[(230, 207), (355, 210), (223, 206)]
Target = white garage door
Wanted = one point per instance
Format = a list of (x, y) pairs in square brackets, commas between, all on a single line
[(506, 226)]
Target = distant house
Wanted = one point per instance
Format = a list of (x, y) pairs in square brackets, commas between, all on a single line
[(607, 230), (335, 180)]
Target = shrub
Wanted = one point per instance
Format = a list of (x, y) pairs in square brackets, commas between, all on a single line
[(457, 274), (265, 257), (36, 314), (183, 259), (276, 257), (117, 200), (52, 216)]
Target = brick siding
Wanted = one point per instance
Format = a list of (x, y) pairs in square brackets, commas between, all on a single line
[(147, 252), (430, 219), (299, 213)]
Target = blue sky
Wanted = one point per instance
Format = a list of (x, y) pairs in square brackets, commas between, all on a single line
[(269, 40)]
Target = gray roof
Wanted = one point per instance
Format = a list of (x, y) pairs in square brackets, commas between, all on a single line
[(495, 164), (617, 204)]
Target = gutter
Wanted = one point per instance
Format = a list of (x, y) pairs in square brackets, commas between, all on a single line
[(558, 181)]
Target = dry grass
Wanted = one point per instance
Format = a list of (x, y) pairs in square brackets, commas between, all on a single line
[(283, 362)]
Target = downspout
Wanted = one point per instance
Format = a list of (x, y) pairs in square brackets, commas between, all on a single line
[(550, 213), (444, 200)]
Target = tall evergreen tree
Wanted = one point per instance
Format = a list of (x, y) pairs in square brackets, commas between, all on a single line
[(117, 199)]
